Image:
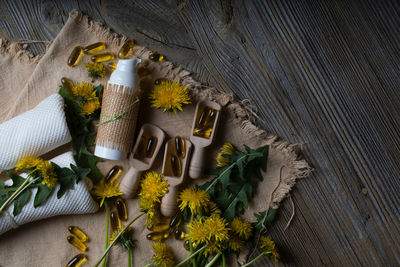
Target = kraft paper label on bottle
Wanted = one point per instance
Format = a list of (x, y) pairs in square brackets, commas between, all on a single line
[(118, 117)]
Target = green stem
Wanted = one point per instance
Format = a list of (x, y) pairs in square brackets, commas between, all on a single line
[(129, 257), (191, 256), (20, 189), (107, 208), (253, 260), (223, 260), (211, 263), (117, 237), (222, 173)]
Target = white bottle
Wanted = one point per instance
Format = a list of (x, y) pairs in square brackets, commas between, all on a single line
[(119, 112)]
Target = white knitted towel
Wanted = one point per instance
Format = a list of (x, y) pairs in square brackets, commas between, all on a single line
[(76, 201), (34, 132)]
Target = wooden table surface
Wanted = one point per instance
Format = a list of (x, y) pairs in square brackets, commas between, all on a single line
[(322, 74)]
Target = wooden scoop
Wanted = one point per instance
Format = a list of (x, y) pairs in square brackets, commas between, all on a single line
[(203, 134), (142, 158), (174, 178)]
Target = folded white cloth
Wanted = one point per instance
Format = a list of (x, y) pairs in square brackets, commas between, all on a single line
[(76, 201), (34, 132)]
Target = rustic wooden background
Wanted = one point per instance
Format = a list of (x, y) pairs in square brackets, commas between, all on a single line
[(323, 74)]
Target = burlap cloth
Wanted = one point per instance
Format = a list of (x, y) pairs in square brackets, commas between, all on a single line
[(26, 80)]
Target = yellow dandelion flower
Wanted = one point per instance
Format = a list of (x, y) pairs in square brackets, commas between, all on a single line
[(196, 200), (235, 243), (242, 228), (105, 190), (154, 187), (84, 90), (227, 149), (28, 162), (95, 70), (213, 248), (197, 232), (88, 101), (48, 173), (163, 255), (268, 245), (90, 106), (216, 227), (170, 96)]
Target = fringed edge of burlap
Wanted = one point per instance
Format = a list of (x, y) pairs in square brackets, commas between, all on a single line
[(18, 51)]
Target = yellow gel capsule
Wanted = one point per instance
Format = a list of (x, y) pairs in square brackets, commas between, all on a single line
[(106, 56), (176, 166), (205, 119), (94, 48), (150, 146), (160, 227), (112, 66), (179, 147), (179, 234), (155, 236), (122, 211), (116, 224), (73, 240), (186, 244), (78, 233), (77, 261), (146, 146), (156, 57), (113, 174), (174, 220), (75, 56), (67, 84), (126, 50)]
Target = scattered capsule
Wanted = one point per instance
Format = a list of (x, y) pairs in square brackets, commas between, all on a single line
[(180, 147), (156, 57), (75, 56), (160, 227), (78, 233), (94, 48), (179, 234), (77, 261), (73, 240), (106, 56), (112, 66), (126, 50), (113, 174), (186, 244), (155, 236), (158, 81), (144, 73), (67, 84), (176, 166), (174, 220), (116, 224), (122, 211)]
